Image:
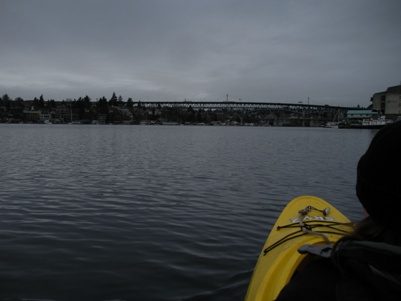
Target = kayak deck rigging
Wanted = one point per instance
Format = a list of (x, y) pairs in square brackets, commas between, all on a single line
[(309, 225)]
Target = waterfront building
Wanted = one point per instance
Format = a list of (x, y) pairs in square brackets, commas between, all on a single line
[(361, 114), (32, 116), (388, 102)]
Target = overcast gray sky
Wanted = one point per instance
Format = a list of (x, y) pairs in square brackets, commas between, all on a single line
[(336, 52)]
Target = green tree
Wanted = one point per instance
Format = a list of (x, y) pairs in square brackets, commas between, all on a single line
[(38, 103), (35, 104), (5, 101), (130, 103), (41, 102), (113, 100), (51, 104), (102, 105), (86, 103), (120, 101), (5, 98)]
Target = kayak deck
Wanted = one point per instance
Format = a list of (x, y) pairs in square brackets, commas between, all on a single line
[(279, 259)]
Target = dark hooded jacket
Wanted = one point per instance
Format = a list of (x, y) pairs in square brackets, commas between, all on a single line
[(355, 270)]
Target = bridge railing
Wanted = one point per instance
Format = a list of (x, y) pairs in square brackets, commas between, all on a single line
[(239, 105)]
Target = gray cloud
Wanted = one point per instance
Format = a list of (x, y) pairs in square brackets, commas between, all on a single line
[(335, 52)]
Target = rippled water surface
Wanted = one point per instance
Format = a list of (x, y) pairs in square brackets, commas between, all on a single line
[(156, 212)]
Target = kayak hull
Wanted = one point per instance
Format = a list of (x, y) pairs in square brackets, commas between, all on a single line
[(279, 259)]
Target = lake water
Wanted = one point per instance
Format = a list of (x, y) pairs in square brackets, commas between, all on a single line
[(102, 212)]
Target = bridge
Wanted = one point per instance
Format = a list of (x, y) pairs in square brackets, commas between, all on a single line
[(235, 105), (274, 113)]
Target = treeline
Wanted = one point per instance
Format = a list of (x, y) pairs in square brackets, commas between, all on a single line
[(114, 110), (81, 103)]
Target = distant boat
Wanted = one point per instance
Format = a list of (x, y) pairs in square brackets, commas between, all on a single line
[(367, 124), (332, 125)]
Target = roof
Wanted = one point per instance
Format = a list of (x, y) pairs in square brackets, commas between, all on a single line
[(394, 89), (361, 112)]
